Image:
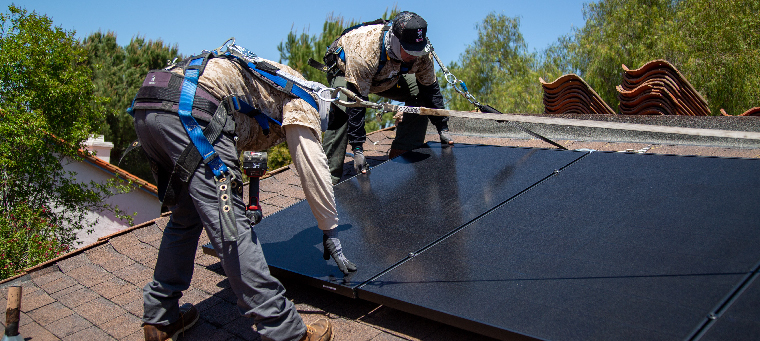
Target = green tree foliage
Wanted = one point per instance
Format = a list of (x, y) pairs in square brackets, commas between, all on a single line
[(714, 44), (118, 73), (498, 69), (630, 32), (48, 108), (718, 43)]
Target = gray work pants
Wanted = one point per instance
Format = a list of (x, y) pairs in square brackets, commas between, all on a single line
[(260, 295)]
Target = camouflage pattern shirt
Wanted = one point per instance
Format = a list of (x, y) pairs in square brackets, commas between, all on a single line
[(362, 49), (223, 77)]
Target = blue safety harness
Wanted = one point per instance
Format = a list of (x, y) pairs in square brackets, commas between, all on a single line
[(168, 91)]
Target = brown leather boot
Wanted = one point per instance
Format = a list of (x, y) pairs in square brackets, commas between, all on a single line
[(188, 315), (318, 331)]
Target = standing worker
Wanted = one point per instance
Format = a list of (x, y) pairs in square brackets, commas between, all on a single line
[(229, 103), (391, 60)]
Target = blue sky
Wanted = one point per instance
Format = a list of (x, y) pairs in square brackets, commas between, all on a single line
[(261, 25)]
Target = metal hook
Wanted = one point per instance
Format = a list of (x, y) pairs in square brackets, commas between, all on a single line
[(219, 49)]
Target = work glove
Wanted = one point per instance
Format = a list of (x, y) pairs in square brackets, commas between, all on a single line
[(445, 137), (332, 248), (360, 162)]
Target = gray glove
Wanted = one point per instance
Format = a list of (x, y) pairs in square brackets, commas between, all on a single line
[(360, 162), (332, 248)]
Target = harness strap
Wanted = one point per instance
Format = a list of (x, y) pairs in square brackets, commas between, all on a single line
[(263, 70), (192, 128), (384, 57)]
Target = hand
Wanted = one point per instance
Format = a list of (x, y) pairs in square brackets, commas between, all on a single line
[(398, 117), (333, 249)]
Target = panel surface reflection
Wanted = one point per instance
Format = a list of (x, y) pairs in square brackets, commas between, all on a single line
[(614, 247), (405, 204)]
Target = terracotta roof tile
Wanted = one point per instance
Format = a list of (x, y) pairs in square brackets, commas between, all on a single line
[(571, 94), (113, 169), (751, 112), (658, 88)]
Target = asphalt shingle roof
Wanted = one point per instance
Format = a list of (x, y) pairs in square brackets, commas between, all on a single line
[(95, 293)]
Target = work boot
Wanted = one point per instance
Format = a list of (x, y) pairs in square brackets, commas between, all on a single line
[(360, 162), (445, 137), (188, 315), (318, 331)]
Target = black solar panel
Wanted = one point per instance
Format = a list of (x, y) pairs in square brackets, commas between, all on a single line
[(402, 206), (491, 239)]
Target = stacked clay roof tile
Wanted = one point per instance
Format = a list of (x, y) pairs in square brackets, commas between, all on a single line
[(658, 88), (570, 94), (751, 112)]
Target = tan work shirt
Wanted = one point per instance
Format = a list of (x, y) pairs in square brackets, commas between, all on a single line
[(223, 77), (362, 48)]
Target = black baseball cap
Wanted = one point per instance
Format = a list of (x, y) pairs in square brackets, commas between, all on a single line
[(411, 30)]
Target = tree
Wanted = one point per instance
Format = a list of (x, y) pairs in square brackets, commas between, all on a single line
[(630, 32), (498, 69), (118, 73), (713, 44), (718, 44), (48, 108)]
